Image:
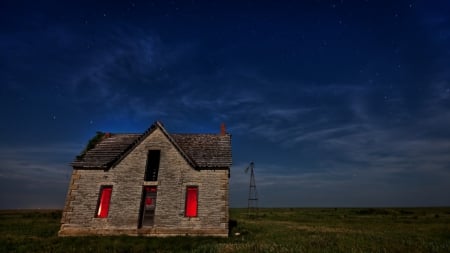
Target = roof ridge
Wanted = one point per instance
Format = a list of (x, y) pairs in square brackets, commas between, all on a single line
[(200, 150), (218, 134), (183, 153), (155, 125), (124, 133), (130, 147)]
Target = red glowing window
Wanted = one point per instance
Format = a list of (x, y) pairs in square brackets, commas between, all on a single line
[(103, 203), (191, 201)]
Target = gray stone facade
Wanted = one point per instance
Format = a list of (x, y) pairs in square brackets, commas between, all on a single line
[(127, 180)]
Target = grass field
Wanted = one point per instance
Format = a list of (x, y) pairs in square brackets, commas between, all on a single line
[(274, 230)]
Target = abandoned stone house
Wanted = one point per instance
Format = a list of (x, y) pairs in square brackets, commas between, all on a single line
[(152, 184)]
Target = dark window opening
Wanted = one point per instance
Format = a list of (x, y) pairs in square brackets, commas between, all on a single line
[(191, 201), (103, 202), (151, 171)]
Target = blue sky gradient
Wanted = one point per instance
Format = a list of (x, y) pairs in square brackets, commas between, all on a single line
[(338, 103)]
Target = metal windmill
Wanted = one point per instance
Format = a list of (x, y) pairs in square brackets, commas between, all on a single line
[(252, 193)]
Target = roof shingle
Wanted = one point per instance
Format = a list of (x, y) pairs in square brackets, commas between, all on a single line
[(207, 150), (201, 150)]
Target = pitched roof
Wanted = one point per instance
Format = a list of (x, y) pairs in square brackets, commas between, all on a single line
[(199, 150), (106, 151), (207, 150)]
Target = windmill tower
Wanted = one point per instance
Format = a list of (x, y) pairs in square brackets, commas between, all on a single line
[(252, 193)]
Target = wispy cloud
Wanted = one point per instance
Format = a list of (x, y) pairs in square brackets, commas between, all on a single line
[(38, 174), (38, 164), (395, 153)]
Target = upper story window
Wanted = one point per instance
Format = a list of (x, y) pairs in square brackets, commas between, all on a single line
[(151, 170)]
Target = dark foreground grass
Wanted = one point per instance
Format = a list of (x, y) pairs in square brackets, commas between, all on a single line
[(274, 230)]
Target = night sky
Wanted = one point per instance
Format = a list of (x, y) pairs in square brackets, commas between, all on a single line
[(338, 103)]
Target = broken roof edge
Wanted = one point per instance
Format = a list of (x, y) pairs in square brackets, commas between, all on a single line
[(106, 166)]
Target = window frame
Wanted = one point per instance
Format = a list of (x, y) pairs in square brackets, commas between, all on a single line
[(152, 166), (187, 212), (103, 202)]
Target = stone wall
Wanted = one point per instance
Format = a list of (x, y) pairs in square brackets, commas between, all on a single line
[(127, 179)]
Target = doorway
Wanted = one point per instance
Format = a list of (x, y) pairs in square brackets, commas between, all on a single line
[(148, 206)]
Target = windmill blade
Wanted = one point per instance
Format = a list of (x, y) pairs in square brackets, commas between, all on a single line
[(249, 167)]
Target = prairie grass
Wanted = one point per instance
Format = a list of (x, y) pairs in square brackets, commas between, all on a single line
[(272, 230)]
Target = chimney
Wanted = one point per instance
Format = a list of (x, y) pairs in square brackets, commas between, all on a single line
[(223, 131)]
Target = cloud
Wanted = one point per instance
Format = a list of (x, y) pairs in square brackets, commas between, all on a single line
[(319, 115), (35, 176), (341, 184), (131, 73), (124, 55), (37, 164), (371, 160)]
